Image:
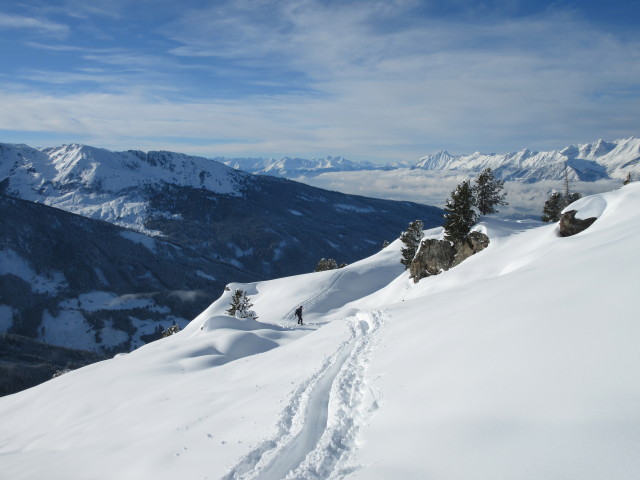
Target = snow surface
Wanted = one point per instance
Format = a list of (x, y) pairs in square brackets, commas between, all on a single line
[(69, 326), (520, 363), (11, 263)]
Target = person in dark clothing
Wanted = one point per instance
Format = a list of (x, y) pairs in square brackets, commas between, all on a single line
[(299, 314)]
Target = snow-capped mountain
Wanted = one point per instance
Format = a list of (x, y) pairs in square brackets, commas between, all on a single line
[(296, 167), (105, 185), (265, 225), (586, 162), (521, 362)]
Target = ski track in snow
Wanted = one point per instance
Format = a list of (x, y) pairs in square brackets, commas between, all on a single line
[(317, 430), (316, 297)]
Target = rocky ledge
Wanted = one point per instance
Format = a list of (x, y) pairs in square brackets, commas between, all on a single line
[(435, 256)]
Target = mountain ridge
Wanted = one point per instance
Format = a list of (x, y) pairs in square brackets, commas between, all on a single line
[(175, 196), (90, 237), (587, 162)]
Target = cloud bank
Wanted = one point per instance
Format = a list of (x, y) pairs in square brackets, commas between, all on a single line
[(435, 187)]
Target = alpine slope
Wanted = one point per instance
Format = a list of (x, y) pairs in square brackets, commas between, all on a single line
[(521, 362)]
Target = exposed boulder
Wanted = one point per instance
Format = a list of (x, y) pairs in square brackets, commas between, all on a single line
[(474, 243), (435, 256), (570, 225)]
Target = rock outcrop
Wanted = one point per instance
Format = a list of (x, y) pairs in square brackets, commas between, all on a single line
[(570, 225), (474, 243), (435, 256)]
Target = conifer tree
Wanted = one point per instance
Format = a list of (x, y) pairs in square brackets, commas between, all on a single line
[(411, 239), (170, 331), (488, 192), (552, 207), (240, 306), (326, 264), (573, 196), (460, 216), (568, 196)]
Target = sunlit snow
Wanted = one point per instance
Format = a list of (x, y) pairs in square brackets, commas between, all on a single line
[(520, 363)]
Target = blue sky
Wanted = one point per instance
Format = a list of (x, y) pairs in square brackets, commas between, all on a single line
[(369, 80)]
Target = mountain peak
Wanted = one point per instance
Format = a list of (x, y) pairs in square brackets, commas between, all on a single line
[(589, 162)]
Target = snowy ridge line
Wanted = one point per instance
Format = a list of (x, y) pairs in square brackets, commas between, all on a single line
[(317, 430), (318, 295)]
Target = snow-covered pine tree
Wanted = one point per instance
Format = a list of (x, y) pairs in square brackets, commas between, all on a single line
[(460, 216), (488, 192), (552, 207), (573, 196), (170, 331), (240, 306), (411, 239)]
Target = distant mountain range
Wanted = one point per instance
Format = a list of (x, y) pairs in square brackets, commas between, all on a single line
[(586, 162), (136, 241), (295, 167)]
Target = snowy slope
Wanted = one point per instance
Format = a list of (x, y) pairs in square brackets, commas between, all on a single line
[(588, 162), (519, 363)]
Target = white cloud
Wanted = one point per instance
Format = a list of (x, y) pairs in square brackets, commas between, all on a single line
[(434, 188), (42, 26), (458, 85), (366, 80)]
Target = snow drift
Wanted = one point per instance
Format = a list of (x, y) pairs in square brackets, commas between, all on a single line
[(519, 363)]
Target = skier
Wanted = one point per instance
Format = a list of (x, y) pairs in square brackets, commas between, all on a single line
[(299, 314)]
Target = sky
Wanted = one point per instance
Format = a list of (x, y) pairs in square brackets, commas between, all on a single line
[(369, 80)]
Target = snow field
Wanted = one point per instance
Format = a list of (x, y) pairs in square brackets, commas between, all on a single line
[(528, 374), (317, 429), (519, 363)]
